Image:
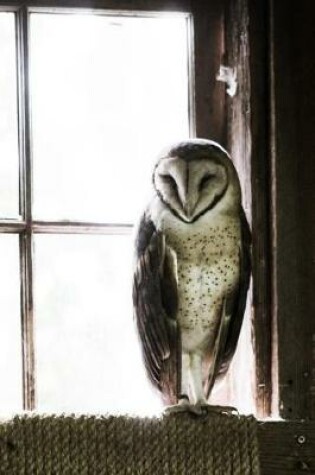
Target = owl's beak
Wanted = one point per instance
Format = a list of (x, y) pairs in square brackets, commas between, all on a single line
[(188, 197), (189, 207), (188, 210), (188, 201)]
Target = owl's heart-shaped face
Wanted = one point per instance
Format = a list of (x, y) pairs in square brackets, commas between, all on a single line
[(193, 183)]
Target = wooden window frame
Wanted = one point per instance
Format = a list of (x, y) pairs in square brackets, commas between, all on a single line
[(251, 36), (206, 113), (222, 35), (26, 226)]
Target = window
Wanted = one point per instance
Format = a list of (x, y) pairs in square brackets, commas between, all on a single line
[(105, 94), (99, 94)]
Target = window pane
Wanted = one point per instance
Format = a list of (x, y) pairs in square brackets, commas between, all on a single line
[(9, 171), (10, 334), (88, 354), (108, 93)]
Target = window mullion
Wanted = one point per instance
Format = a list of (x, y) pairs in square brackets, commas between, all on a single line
[(27, 316), (26, 237), (77, 227)]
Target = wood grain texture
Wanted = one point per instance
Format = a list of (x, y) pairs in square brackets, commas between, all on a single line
[(247, 137), (261, 202), (286, 447), (304, 74), (283, 173), (209, 49), (294, 196)]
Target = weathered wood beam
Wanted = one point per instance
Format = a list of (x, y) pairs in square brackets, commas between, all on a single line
[(293, 142), (247, 56), (209, 44)]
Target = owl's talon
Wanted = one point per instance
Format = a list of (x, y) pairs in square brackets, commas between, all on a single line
[(209, 408), (185, 406), (201, 408), (176, 408)]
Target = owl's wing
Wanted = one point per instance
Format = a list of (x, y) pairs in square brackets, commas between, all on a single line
[(155, 304), (232, 312)]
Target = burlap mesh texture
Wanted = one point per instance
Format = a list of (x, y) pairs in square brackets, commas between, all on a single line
[(218, 444)]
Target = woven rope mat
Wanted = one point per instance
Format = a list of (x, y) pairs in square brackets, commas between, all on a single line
[(176, 444)]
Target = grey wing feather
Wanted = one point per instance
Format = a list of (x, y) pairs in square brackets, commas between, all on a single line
[(155, 301), (233, 309)]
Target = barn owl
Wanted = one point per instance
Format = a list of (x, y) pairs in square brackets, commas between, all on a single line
[(192, 271)]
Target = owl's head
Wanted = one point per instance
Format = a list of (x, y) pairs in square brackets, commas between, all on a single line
[(194, 177)]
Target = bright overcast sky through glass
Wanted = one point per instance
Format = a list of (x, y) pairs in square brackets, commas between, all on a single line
[(9, 171), (10, 347), (108, 93), (88, 356)]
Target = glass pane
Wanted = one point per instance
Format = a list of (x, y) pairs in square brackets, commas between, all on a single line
[(10, 334), (88, 356), (107, 94), (9, 168)]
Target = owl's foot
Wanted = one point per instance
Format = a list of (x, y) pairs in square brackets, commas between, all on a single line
[(206, 408), (182, 406), (201, 408), (195, 409)]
